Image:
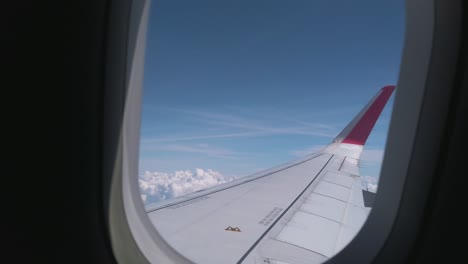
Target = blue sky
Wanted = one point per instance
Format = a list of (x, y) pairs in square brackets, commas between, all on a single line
[(241, 86)]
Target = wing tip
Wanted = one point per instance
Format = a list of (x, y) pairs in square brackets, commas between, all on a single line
[(389, 88), (360, 132)]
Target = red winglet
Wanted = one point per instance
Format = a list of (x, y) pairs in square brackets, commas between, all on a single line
[(360, 132)]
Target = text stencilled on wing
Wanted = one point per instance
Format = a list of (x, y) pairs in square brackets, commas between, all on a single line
[(270, 217)]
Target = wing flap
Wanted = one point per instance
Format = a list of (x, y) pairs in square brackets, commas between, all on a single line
[(303, 226)]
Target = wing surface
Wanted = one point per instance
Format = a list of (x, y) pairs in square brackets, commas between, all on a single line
[(304, 211)]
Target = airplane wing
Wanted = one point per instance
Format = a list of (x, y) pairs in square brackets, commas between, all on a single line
[(304, 211)]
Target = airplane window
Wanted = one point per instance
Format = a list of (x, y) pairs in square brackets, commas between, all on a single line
[(245, 116)]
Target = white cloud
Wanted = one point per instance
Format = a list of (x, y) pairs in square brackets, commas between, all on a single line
[(158, 186), (372, 187), (370, 183)]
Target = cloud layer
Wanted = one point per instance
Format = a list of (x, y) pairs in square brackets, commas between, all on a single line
[(158, 186)]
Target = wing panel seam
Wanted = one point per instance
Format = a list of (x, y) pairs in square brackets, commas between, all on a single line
[(321, 216), (284, 212), (337, 184), (294, 245)]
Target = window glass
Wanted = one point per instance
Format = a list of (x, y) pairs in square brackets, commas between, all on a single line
[(232, 88)]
